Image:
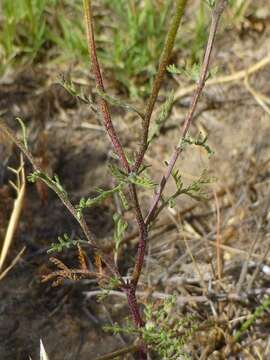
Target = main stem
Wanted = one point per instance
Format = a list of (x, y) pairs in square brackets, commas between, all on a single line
[(129, 288)]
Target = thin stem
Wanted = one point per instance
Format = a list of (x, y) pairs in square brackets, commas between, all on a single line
[(104, 108), (143, 235), (217, 11), (123, 160), (164, 61)]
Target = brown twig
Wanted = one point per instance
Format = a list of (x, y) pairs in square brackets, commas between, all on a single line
[(216, 14)]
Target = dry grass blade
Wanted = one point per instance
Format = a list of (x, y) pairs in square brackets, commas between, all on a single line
[(261, 99), (239, 75), (13, 263), (82, 258), (16, 212), (218, 238)]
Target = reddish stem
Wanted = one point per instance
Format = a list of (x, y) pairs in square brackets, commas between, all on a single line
[(130, 289), (99, 83)]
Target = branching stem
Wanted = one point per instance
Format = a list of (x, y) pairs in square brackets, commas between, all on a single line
[(85, 228), (217, 11), (130, 289)]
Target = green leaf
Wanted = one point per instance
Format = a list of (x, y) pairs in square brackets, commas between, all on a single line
[(34, 176), (123, 199), (103, 194), (70, 87), (199, 141), (64, 243), (163, 116), (117, 173), (178, 179), (116, 102), (174, 70), (54, 183), (210, 3), (141, 181)]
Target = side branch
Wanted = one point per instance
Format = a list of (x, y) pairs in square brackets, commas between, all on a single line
[(216, 14), (65, 200)]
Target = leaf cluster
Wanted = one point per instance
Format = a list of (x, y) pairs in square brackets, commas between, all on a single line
[(63, 243), (163, 116), (63, 272), (200, 140), (163, 332), (53, 183), (123, 180)]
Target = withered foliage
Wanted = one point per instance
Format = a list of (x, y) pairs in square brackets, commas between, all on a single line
[(65, 273)]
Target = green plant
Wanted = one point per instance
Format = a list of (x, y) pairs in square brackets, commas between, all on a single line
[(163, 331), (252, 319), (132, 52), (129, 176), (35, 29)]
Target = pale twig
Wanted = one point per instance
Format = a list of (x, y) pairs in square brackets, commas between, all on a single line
[(263, 218), (194, 262), (244, 269), (182, 300), (19, 187), (13, 263), (43, 354), (218, 238), (261, 99)]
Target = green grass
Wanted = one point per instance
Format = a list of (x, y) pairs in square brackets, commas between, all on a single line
[(136, 43), (24, 29)]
